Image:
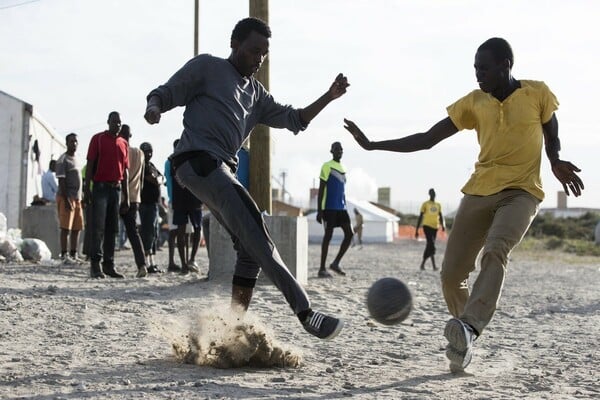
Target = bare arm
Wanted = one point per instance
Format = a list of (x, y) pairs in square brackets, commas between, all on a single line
[(419, 141), (564, 171), (322, 184), (337, 89), (90, 171), (419, 220)]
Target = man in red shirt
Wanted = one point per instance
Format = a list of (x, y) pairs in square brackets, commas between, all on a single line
[(107, 163)]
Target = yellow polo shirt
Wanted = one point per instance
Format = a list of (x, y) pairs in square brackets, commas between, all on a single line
[(510, 137), (431, 213)]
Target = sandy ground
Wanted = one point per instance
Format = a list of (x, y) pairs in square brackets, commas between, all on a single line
[(64, 336)]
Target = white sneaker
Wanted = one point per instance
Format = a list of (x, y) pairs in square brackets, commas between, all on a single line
[(460, 338), (77, 258), (67, 260)]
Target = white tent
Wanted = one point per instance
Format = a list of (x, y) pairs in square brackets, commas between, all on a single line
[(27, 144), (379, 226)]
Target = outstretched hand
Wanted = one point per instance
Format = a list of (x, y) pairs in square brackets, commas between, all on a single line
[(338, 87), (565, 172), (357, 134)]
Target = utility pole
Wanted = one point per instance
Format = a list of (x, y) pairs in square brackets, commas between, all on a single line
[(260, 140), (196, 21), (283, 191)]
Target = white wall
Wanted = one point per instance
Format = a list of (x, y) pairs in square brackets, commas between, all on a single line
[(20, 175), (11, 156)]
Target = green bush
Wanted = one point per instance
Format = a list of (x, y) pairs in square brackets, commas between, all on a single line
[(554, 243), (581, 228)]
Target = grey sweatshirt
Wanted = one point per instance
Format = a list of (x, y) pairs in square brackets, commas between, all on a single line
[(221, 107)]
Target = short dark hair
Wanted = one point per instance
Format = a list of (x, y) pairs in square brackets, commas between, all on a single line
[(70, 135), (244, 27), (110, 114), (146, 146), (500, 49), (125, 131)]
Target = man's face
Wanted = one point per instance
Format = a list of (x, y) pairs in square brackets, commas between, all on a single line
[(337, 151), (488, 71), (114, 124), (148, 154), (72, 144), (248, 55)]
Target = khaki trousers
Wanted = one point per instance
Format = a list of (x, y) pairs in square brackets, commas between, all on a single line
[(493, 225)]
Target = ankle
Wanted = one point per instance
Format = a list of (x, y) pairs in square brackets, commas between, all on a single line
[(303, 315)]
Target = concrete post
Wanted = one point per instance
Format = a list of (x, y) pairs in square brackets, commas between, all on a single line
[(290, 235), (41, 222)]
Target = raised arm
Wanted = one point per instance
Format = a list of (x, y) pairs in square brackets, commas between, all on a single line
[(337, 89), (564, 171), (419, 141)]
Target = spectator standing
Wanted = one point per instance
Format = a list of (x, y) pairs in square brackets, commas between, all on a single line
[(331, 209), (169, 178), (107, 162), (187, 209), (150, 197), (49, 183), (68, 200), (136, 173), (358, 227)]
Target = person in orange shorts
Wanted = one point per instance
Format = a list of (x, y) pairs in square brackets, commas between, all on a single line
[(68, 201)]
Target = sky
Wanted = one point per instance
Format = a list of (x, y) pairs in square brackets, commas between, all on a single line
[(75, 61)]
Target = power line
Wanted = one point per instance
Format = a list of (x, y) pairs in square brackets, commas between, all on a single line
[(18, 4)]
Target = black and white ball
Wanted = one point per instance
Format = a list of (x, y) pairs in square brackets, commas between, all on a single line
[(389, 301)]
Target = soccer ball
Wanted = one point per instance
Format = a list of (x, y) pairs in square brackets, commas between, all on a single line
[(389, 301)]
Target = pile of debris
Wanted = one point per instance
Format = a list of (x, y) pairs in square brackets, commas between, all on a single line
[(13, 248)]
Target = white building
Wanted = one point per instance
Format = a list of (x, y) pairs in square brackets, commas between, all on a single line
[(27, 144), (379, 226)]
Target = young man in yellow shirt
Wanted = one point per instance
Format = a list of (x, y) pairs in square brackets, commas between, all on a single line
[(432, 219), (512, 118)]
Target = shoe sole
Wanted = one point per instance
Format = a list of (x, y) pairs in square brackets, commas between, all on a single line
[(336, 331), (458, 361), (459, 351), (456, 334)]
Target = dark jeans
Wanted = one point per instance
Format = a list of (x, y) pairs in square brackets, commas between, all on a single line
[(105, 222), (430, 235), (129, 220), (149, 219), (87, 231)]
